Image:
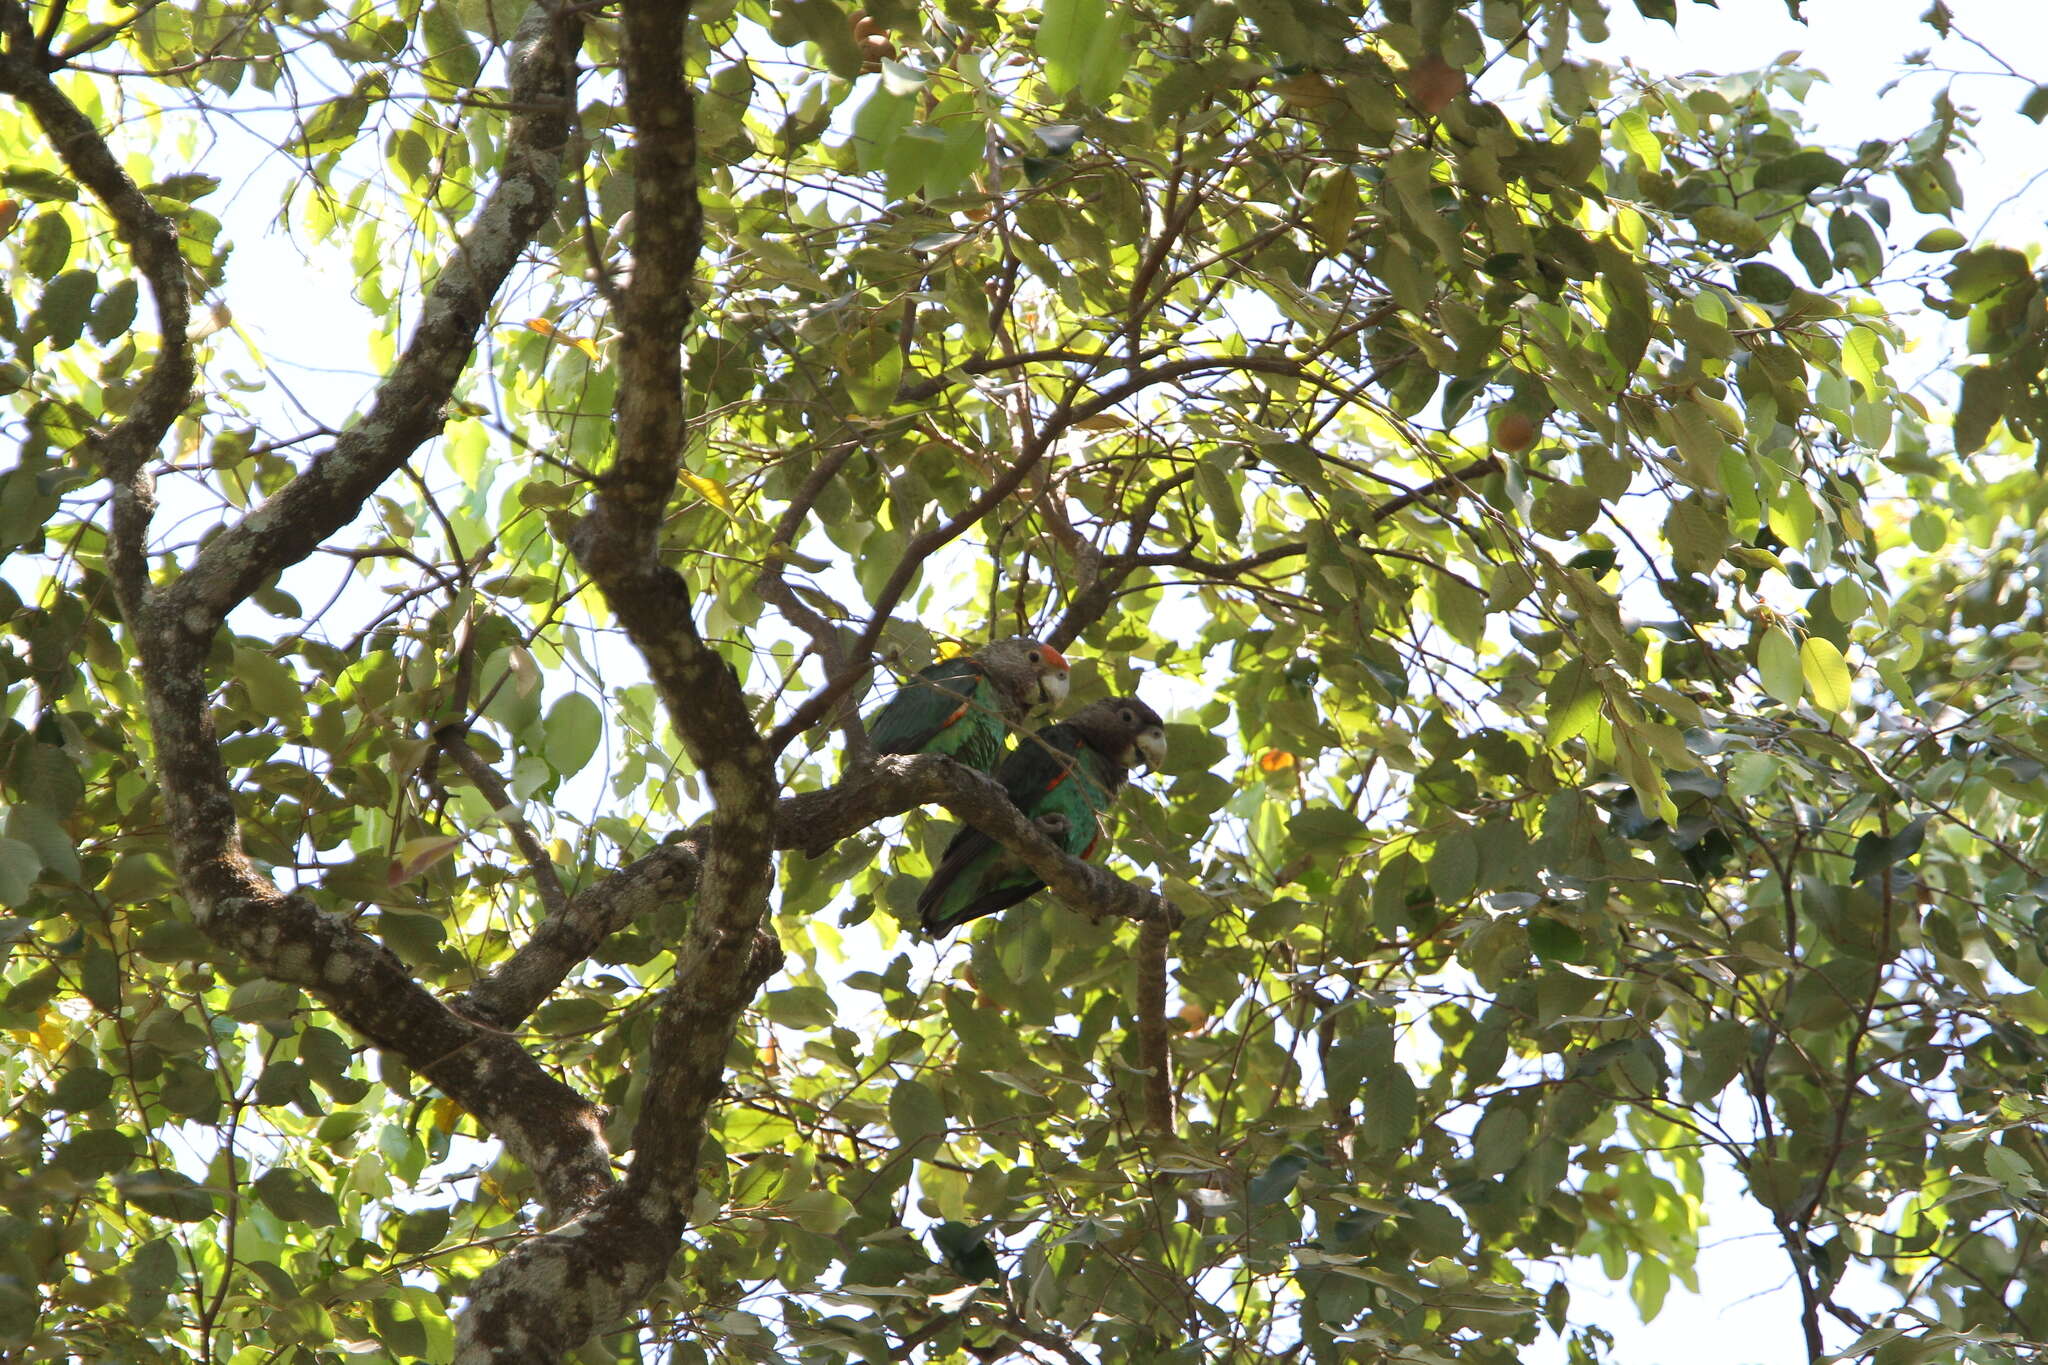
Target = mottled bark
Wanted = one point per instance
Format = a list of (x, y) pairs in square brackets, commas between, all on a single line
[(545, 1298)]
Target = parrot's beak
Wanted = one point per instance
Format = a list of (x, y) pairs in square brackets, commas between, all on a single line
[(1052, 688), (1152, 744)]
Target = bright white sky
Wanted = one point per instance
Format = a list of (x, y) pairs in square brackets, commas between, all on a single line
[(1747, 1314)]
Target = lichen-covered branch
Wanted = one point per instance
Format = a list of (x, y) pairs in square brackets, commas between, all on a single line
[(407, 408), (556, 1289), (874, 791), (123, 450)]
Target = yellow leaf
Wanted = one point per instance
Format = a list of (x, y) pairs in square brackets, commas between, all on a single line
[(1827, 673), (710, 490), (417, 855), (554, 333), (1275, 761)]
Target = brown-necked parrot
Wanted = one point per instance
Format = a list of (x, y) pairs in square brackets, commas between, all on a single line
[(1071, 770), (965, 706)]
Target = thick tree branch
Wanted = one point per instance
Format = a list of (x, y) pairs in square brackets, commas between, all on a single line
[(873, 791), (545, 1124), (608, 1259), (123, 450), (407, 408)]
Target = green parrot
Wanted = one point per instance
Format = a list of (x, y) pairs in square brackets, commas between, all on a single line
[(1071, 771), (965, 706)]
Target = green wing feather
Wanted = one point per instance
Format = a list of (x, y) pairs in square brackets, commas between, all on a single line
[(1054, 772), (949, 708)]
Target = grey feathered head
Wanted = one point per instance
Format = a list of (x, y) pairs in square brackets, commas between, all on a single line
[(1029, 673)]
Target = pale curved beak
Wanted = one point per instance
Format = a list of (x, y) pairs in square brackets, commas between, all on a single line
[(1152, 744), (1052, 687)]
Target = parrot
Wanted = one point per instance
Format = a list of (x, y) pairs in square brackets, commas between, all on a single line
[(1070, 770), (965, 706)]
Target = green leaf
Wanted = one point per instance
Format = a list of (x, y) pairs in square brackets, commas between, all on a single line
[(1976, 275), (114, 314), (1082, 42), (19, 868), (1981, 408), (800, 1007), (1276, 1182), (421, 1230), (46, 245), (1721, 1047), (1801, 173), (1501, 1139), (61, 313), (1863, 359), (166, 1194), (1876, 852), (1732, 228), (296, 1199), (81, 1087), (37, 827), (573, 727), (877, 124), (274, 689), (1391, 1104), (1763, 282), (36, 183), (1632, 133), (915, 1113), (1454, 866), (1571, 703), (1856, 247), (1778, 665)]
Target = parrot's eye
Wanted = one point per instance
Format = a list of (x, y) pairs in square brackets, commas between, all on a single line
[(1130, 717), (1036, 656)]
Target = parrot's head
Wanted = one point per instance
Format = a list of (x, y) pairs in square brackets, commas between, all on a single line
[(1126, 729), (1041, 669)]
